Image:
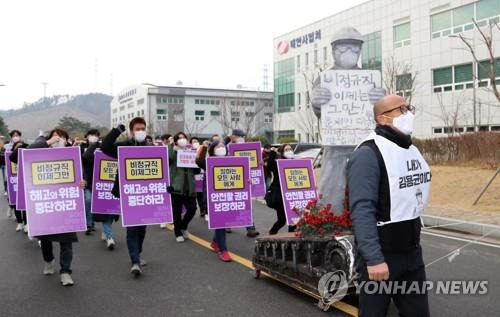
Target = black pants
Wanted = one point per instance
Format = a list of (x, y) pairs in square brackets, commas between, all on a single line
[(202, 203), (181, 223), (135, 239), (280, 213), (65, 257), (408, 267), (20, 216)]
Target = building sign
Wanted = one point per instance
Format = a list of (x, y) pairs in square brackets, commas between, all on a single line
[(308, 38)]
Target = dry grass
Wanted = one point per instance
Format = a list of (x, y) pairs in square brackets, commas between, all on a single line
[(456, 188)]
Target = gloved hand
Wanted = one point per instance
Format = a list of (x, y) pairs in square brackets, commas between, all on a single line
[(121, 127)]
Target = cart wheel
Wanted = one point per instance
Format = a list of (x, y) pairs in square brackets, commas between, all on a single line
[(256, 274), (323, 306)]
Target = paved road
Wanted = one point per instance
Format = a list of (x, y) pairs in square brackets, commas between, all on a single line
[(188, 280)]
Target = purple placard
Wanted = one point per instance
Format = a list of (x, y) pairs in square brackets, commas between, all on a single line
[(54, 198), (254, 151), (198, 182), (21, 190), (105, 169), (144, 178), (298, 186), (228, 192), (11, 170)]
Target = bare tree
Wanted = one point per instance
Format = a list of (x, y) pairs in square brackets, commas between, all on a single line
[(398, 78), (305, 118), (452, 116), (239, 113), (487, 39)]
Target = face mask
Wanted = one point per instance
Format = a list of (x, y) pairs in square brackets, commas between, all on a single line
[(61, 143), (16, 139), (348, 59), (196, 145), (240, 140), (288, 154), (182, 142), (404, 123), (140, 136), (220, 151), (93, 139)]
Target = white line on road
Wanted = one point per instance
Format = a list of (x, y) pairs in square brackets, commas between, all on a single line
[(462, 239)]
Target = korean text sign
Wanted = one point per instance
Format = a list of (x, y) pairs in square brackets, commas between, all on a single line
[(253, 150), (11, 169), (228, 192), (186, 158), (298, 186), (54, 198), (144, 178), (21, 193), (105, 169)]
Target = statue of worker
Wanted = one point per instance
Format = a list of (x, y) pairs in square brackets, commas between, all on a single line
[(343, 98)]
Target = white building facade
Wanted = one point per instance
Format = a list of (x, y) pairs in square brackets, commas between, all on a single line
[(199, 112), (413, 42)]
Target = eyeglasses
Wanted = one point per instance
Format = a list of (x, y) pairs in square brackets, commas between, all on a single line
[(344, 48), (404, 109)]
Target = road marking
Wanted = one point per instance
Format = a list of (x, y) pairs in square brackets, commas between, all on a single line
[(462, 239), (344, 307)]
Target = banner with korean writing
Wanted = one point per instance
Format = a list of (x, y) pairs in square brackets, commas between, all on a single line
[(105, 169), (198, 182), (253, 150), (298, 186), (21, 190), (11, 170), (144, 178), (186, 158), (228, 192), (54, 198), (347, 118)]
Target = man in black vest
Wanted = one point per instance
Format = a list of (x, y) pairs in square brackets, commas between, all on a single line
[(386, 211)]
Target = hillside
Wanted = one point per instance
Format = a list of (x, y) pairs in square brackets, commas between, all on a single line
[(45, 113)]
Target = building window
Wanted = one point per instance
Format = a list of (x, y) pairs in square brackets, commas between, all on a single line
[(286, 133), (142, 113), (215, 113), (325, 54), (437, 130), (306, 62), (487, 9), (249, 114), (115, 110), (298, 63), (441, 24), (483, 71), (178, 116), (284, 85), (122, 108), (463, 76), (199, 115), (453, 78), (371, 54), (235, 113), (315, 60), (298, 99), (462, 18), (161, 114), (197, 101), (138, 113), (404, 84), (402, 35), (130, 105), (140, 101), (268, 117), (442, 79)]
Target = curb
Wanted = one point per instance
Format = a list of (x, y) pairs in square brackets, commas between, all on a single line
[(470, 227)]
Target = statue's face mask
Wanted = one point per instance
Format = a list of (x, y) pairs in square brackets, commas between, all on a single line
[(346, 55)]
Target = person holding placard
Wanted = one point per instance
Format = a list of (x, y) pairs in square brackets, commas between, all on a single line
[(182, 188), (218, 244), (57, 138), (17, 143), (135, 234), (273, 196)]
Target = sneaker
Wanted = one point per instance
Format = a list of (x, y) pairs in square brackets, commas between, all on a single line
[(179, 239), (252, 233), (25, 228), (185, 234), (103, 237), (228, 230), (66, 280), (143, 262), (19, 227), (224, 256), (49, 268), (135, 270), (88, 232), (214, 246), (163, 225), (110, 244), (5, 194), (203, 213), (206, 218), (9, 213)]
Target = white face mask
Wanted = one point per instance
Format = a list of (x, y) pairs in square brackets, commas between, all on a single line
[(16, 139), (220, 151), (140, 136), (93, 139), (240, 140), (405, 123), (196, 145), (288, 154), (61, 143), (182, 142)]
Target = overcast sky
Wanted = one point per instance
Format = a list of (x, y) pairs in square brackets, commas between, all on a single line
[(214, 43)]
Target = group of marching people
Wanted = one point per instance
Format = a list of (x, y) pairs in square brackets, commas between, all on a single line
[(182, 189)]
